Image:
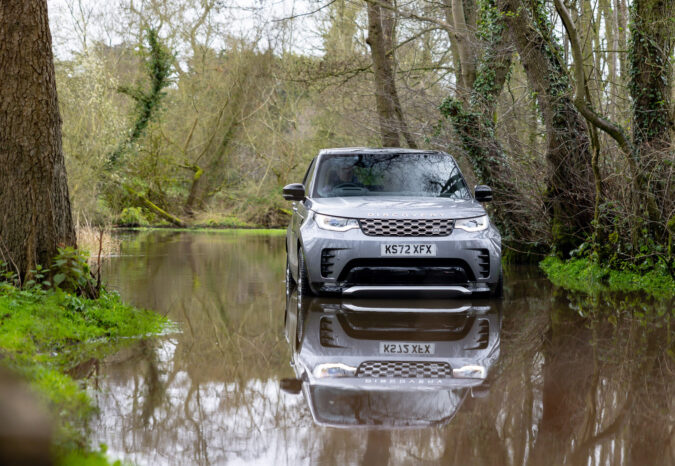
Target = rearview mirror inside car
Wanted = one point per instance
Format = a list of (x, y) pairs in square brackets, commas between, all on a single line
[(294, 192), (483, 193)]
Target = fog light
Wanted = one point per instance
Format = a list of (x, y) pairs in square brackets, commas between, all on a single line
[(469, 372)]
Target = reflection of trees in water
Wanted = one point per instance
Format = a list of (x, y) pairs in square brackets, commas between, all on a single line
[(567, 388), (572, 390), (608, 385)]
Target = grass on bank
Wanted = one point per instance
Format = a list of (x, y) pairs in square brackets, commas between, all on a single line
[(589, 277), (44, 334)]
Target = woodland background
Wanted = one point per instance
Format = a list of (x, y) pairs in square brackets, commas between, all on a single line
[(198, 113)]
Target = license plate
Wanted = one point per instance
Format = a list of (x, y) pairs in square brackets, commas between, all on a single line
[(420, 349), (407, 249)]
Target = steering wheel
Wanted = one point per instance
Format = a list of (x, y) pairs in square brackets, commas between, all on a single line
[(347, 185)]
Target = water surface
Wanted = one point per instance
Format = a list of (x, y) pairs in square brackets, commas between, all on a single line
[(570, 380)]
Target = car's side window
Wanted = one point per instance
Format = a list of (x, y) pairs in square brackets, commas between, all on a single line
[(308, 176)]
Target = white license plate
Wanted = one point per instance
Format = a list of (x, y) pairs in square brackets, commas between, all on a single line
[(407, 249), (420, 349)]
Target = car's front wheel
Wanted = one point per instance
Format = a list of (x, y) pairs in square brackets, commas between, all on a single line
[(303, 278), (290, 282), (498, 291)]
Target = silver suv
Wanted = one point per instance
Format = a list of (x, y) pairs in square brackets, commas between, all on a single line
[(383, 221), (390, 363)]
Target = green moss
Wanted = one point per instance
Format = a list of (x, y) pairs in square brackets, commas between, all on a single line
[(591, 278), (132, 216), (44, 334), (222, 221), (82, 458)]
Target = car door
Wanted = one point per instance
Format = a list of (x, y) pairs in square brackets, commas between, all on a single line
[(298, 217)]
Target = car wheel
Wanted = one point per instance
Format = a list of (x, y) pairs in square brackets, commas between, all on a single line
[(303, 278), (498, 291), (290, 283)]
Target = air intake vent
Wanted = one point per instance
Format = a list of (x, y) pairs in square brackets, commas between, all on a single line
[(484, 263), (482, 335), (405, 369), (327, 262), (326, 336), (406, 227)]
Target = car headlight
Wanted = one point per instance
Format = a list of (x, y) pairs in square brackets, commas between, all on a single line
[(333, 370), (472, 224), (335, 223)]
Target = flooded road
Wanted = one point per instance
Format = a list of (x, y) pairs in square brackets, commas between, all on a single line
[(542, 377)]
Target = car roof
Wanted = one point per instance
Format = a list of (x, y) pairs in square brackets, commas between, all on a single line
[(374, 150)]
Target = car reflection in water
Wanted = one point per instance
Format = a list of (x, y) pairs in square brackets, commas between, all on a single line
[(389, 364)]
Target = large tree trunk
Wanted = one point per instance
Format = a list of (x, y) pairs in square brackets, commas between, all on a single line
[(652, 40), (35, 213), (473, 122), (571, 191), (461, 14), (651, 78), (389, 110)]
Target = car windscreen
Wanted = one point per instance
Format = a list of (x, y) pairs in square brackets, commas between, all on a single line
[(414, 175)]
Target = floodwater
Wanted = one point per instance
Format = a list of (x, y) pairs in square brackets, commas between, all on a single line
[(542, 378)]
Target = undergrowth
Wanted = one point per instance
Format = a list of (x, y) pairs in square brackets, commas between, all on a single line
[(582, 274), (45, 333)]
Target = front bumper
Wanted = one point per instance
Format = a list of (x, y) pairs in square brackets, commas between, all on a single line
[(350, 263)]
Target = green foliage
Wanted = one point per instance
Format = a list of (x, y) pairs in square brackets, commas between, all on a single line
[(617, 249), (132, 216), (158, 62), (221, 221), (592, 278), (490, 29), (87, 458), (45, 333), (70, 270)]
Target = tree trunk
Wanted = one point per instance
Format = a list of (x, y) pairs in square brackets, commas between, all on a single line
[(389, 110), (461, 15), (571, 192), (35, 215), (652, 40), (474, 124), (651, 79)]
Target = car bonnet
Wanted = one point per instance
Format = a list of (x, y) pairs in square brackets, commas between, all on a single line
[(396, 207)]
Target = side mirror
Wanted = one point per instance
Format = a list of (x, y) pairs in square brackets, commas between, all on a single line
[(480, 391), (291, 386), (294, 192), (483, 193)]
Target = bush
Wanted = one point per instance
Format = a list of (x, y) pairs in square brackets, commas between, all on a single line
[(132, 217)]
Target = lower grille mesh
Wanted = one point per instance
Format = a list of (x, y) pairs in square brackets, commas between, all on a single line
[(405, 369)]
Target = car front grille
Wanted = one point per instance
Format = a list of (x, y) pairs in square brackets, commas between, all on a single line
[(406, 227), (405, 369)]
